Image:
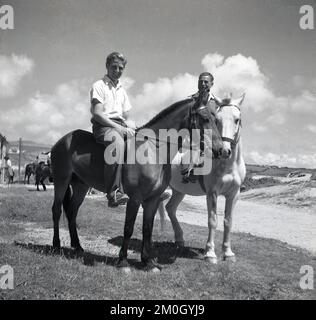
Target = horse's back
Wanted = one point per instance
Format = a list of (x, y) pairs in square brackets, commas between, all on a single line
[(78, 153)]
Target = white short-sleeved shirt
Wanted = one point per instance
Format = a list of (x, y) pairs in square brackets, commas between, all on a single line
[(114, 99)]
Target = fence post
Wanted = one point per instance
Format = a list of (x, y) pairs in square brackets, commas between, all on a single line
[(2, 168), (20, 151)]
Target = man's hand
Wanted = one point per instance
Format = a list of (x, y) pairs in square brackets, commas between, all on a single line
[(129, 132), (130, 123)]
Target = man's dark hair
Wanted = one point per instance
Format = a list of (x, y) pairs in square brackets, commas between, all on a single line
[(207, 74), (116, 55)]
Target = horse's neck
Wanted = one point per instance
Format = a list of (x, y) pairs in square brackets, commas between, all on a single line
[(166, 121), (171, 120), (238, 150)]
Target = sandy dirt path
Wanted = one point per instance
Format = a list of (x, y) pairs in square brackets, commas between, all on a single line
[(296, 227)]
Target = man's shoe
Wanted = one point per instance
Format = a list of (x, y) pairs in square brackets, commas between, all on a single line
[(118, 199)]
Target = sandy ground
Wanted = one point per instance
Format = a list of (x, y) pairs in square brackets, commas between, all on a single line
[(294, 226)]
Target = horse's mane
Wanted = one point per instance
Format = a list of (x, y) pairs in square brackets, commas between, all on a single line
[(166, 111)]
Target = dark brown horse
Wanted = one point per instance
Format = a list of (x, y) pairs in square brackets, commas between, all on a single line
[(42, 172), (78, 163), (29, 170)]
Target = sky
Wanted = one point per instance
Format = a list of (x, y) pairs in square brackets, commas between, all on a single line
[(57, 49)]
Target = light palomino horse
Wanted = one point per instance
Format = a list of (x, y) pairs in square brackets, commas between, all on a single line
[(225, 179)]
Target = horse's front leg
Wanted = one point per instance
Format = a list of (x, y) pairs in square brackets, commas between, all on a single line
[(130, 217), (43, 184), (150, 209), (171, 208), (231, 200), (161, 211), (210, 254)]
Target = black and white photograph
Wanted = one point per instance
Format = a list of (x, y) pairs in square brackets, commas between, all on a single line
[(157, 150)]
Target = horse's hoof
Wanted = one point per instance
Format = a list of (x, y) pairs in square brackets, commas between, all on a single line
[(126, 270), (179, 244), (78, 251), (155, 270), (152, 267), (229, 258), (211, 260), (56, 249), (123, 264)]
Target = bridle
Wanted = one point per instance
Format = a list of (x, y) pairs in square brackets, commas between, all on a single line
[(236, 138)]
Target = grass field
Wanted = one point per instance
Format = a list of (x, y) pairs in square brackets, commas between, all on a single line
[(265, 268)]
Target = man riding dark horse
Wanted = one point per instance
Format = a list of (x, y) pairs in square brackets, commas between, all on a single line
[(109, 107)]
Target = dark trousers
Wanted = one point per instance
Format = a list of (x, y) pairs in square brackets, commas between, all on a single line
[(104, 136)]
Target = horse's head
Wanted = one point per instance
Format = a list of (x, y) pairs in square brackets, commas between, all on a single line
[(204, 119), (186, 114), (228, 120)]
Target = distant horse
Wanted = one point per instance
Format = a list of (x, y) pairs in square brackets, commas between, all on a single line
[(42, 172), (226, 177), (78, 163), (29, 170)]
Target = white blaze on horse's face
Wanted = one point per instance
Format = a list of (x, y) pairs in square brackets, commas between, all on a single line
[(228, 122)]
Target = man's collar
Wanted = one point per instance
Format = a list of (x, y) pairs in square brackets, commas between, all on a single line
[(108, 80)]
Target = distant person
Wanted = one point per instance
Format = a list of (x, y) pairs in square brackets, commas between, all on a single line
[(8, 163), (48, 158), (8, 168), (43, 158)]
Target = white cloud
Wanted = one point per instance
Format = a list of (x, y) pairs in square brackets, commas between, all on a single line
[(47, 117), (212, 61), (305, 103), (238, 74), (160, 94), (13, 69)]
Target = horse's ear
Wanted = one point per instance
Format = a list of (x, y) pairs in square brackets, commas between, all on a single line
[(239, 101)]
